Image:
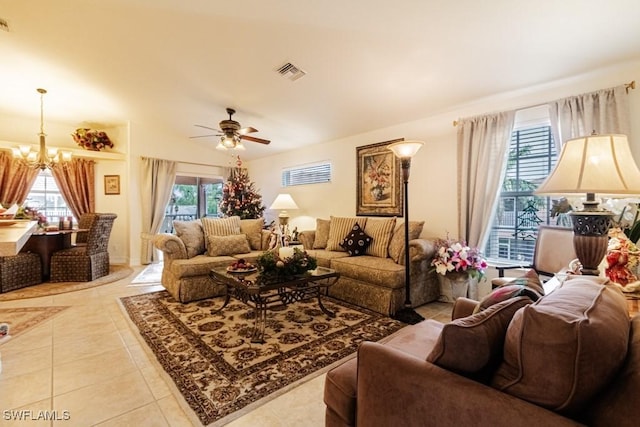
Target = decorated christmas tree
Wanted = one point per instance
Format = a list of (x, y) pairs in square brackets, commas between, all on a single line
[(239, 196)]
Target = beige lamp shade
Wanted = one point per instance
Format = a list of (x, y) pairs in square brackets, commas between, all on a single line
[(283, 202), (404, 149), (600, 164)]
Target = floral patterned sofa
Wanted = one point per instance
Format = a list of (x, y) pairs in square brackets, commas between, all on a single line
[(200, 245), (374, 279)]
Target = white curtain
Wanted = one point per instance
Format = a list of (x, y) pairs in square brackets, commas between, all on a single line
[(604, 111), (483, 149), (157, 178)]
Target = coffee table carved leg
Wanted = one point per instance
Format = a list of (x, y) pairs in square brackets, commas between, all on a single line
[(323, 308), (259, 323), (227, 298)]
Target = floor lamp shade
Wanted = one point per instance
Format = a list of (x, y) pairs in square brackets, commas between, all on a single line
[(601, 164)]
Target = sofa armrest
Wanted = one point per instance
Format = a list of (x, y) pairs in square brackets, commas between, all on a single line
[(421, 249), (307, 237), (171, 246), (396, 388)]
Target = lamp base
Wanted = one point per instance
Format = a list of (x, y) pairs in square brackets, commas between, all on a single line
[(408, 315), (591, 238)]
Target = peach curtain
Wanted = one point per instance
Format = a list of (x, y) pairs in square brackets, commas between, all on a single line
[(76, 181), (16, 180)]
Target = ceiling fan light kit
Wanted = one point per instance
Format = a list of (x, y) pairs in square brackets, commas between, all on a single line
[(231, 134)]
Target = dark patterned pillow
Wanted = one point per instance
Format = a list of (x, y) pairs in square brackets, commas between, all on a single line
[(356, 242), (529, 285)]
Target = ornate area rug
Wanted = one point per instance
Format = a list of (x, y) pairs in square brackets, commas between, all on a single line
[(216, 367), (24, 318), (116, 272)]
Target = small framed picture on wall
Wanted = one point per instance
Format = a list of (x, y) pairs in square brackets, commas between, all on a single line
[(112, 184)]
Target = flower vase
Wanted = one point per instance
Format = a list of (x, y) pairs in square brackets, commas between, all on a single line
[(453, 285)]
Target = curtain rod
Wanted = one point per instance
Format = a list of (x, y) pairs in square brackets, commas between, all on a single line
[(189, 163), (627, 86)]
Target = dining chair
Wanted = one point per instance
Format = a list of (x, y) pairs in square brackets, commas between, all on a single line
[(553, 252), (19, 271), (86, 262), (85, 222)]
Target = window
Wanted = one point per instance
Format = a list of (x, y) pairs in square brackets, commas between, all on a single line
[(308, 174), (192, 198), (46, 198), (532, 155)]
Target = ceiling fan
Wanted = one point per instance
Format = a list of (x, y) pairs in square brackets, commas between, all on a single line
[(231, 135)]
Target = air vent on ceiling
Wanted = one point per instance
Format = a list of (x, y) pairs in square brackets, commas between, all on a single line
[(4, 25), (291, 72)]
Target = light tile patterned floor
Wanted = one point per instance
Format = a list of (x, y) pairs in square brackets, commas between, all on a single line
[(88, 365)]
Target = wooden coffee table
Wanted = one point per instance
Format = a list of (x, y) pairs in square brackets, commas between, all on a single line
[(246, 287)]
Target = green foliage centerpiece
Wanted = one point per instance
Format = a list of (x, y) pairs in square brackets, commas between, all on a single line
[(272, 268)]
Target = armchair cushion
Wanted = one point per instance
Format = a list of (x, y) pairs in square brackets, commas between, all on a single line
[(560, 351), (228, 245), (356, 242), (381, 231), (253, 229), (191, 234), (473, 345), (322, 233)]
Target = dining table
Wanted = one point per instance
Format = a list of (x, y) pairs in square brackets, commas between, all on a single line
[(45, 243)]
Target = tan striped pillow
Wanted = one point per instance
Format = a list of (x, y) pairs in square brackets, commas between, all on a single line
[(380, 231), (220, 227), (339, 228)]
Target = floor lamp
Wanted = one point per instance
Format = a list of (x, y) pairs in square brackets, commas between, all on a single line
[(593, 164), (405, 150)]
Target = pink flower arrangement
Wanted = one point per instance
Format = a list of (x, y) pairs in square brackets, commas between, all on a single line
[(456, 256), (91, 139)]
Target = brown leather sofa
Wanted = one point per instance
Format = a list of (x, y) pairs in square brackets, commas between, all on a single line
[(571, 358)]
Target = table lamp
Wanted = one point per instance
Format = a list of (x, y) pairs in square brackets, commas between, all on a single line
[(593, 164), (283, 202), (405, 150)]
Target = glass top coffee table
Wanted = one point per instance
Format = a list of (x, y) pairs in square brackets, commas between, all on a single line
[(248, 288)]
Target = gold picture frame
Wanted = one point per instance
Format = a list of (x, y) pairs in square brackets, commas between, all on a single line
[(111, 184), (379, 186)]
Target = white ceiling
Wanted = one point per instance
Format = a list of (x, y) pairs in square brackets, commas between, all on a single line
[(370, 63)]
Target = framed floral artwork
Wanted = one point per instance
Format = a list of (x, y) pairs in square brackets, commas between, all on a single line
[(112, 184), (379, 186)]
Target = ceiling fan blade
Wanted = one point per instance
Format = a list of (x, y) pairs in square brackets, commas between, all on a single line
[(203, 136), (246, 130), (254, 139), (207, 127)]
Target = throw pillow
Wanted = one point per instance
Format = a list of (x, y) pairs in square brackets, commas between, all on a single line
[(380, 231), (340, 227), (228, 245), (473, 344), (253, 229), (560, 351), (529, 285), (191, 234), (356, 242), (396, 245), (322, 233), (220, 227)]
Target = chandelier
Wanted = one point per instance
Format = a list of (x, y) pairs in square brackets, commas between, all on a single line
[(44, 158)]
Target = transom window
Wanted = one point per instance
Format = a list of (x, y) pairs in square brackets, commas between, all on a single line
[(307, 174)]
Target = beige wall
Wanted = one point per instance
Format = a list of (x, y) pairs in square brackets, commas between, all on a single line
[(432, 188), (433, 172)]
